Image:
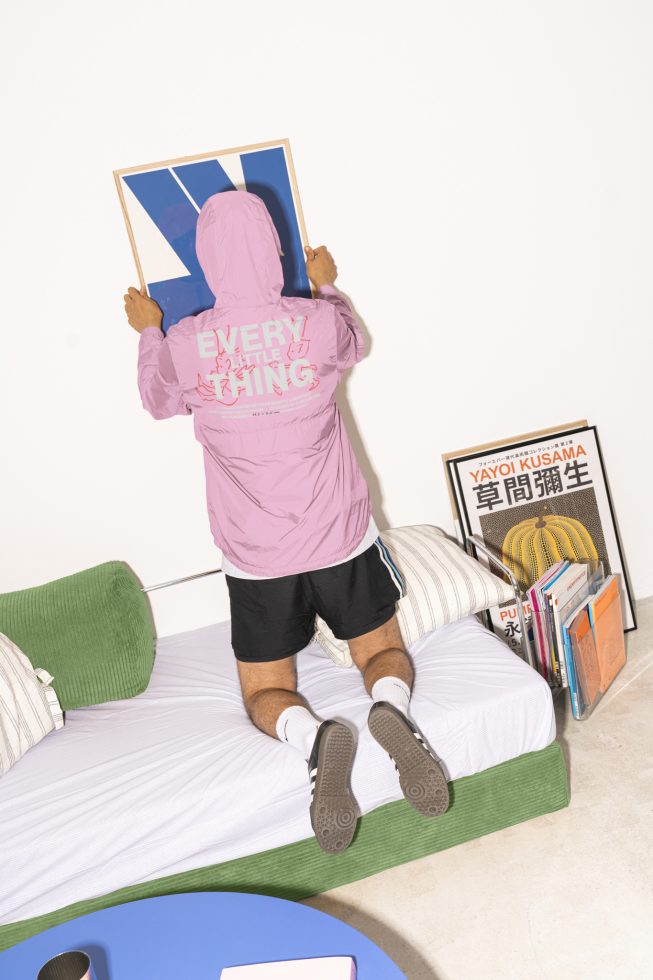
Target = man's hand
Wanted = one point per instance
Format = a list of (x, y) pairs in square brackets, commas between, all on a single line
[(320, 267), (141, 310)]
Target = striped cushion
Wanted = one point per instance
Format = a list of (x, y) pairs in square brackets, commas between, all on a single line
[(443, 584), (29, 708)]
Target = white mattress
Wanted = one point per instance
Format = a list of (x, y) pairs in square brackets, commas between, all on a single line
[(177, 778)]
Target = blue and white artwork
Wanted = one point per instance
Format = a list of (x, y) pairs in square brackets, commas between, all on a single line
[(161, 203)]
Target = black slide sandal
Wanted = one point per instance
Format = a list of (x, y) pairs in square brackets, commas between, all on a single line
[(421, 778), (334, 812)]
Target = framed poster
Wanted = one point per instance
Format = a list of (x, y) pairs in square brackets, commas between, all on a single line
[(534, 499), (161, 202)]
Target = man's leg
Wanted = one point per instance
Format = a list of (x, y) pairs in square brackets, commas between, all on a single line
[(274, 706), (387, 670), (388, 674)]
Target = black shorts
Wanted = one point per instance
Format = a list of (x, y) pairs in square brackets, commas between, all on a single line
[(274, 618)]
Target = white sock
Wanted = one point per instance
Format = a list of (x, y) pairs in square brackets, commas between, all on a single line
[(393, 690), (298, 727)]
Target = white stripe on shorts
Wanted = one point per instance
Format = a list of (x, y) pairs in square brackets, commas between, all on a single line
[(390, 567)]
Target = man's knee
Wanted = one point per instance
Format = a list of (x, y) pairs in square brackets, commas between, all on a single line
[(260, 682), (380, 641), (393, 661), (255, 700)]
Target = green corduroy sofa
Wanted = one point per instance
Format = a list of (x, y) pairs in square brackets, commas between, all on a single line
[(93, 631)]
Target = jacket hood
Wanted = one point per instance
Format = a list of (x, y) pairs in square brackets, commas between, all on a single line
[(238, 248)]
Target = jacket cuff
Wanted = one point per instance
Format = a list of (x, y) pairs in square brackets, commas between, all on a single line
[(151, 332), (329, 289)]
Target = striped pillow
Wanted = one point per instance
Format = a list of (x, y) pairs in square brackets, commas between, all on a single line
[(29, 707), (443, 584)]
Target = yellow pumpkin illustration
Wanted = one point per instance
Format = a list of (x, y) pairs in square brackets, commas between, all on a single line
[(533, 545)]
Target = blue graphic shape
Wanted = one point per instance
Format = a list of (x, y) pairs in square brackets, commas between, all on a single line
[(203, 179), (170, 210), (266, 174), (175, 215), (176, 218)]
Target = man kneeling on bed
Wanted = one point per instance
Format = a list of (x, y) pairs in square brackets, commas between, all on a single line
[(288, 505)]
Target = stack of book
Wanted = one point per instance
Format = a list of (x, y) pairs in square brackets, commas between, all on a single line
[(577, 631)]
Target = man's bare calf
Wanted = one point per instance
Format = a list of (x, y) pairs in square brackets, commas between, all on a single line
[(274, 705), (381, 653), (270, 688)]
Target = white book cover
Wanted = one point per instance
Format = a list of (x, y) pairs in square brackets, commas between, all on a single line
[(321, 968)]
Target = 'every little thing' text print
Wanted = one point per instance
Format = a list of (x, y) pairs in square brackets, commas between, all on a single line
[(256, 360)]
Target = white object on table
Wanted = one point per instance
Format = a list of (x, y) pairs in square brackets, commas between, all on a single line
[(319, 968)]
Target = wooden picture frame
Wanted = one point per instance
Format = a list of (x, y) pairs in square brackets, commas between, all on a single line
[(496, 444), (530, 487), (160, 203)]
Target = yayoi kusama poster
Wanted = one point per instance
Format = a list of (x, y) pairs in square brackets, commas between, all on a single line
[(161, 203), (535, 500)]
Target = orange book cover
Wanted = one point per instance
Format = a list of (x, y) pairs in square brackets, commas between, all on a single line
[(585, 659), (608, 631)]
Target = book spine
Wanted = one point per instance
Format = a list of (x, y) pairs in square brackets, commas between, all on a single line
[(551, 634), (571, 672), (537, 631), (557, 631), (544, 634)]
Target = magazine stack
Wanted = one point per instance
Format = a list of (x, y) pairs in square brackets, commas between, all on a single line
[(576, 631)]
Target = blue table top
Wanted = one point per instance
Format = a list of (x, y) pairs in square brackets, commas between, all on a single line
[(196, 935)]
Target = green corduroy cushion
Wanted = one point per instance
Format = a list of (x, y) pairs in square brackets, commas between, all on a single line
[(520, 789), (92, 631)]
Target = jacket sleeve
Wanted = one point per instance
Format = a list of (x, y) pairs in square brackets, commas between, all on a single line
[(349, 337), (158, 384)]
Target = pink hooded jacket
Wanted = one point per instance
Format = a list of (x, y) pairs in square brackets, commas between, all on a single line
[(258, 372)]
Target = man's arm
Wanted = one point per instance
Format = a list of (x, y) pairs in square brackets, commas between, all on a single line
[(158, 384), (322, 272), (160, 390)]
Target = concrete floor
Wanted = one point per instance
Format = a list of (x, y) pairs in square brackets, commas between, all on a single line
[(567, 896)]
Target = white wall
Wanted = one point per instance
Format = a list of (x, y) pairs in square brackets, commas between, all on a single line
[(482, 173)]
